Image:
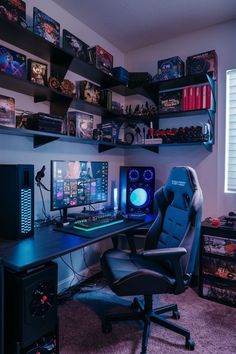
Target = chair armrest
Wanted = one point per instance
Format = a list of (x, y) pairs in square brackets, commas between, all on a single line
[(172, 255), (175, 252), (142, 230)]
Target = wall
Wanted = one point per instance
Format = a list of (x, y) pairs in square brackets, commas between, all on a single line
[(209, 166), (20, 149)]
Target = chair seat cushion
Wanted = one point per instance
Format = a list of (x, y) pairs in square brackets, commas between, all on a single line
[(133, 274)]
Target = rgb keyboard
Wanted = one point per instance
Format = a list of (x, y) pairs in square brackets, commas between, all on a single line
[(97, 222)]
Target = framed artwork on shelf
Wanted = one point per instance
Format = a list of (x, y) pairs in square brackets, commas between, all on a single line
[(37, 72), (12, 63), (74, 45)]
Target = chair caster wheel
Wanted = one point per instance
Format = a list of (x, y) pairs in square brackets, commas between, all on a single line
[(189, 344), (106, 326), (176, 315)]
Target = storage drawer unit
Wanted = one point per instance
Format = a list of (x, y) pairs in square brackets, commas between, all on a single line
[(217, 278)]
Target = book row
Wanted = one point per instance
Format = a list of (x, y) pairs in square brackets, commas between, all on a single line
[(186, 99)]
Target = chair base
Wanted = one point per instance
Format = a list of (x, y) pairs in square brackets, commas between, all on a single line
[(146, 313)]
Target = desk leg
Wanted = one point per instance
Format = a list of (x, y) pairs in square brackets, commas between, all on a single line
[(1, 309), (115, 242)]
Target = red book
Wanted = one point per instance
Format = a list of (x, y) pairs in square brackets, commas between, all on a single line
[(191, 102), (185, 99), (208, 96), (198, 97), (204, 95)]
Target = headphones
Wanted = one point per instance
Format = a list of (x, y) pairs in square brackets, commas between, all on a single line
[(40, 174)]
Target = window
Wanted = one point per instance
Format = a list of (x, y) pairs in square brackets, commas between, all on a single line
[(230, 148)]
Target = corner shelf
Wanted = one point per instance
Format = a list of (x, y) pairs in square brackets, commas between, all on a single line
[(61, 61)]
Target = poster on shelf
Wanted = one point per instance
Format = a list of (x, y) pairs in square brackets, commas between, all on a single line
[(46, 27), (13, 10), (74, 45), (12, 63)]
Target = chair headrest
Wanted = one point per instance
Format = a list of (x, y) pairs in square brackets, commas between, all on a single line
[(182, 188)]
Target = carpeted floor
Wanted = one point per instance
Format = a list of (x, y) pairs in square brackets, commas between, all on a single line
[(212, 326)]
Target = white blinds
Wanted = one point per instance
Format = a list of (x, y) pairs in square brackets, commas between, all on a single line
[(230, 149)]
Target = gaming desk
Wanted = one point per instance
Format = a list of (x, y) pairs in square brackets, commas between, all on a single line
[(48, 244)]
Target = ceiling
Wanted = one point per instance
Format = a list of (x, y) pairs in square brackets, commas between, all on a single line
[(133, 24)]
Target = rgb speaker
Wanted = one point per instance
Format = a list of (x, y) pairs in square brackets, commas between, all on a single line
[(137, 186), (30, 305), (17, 201)]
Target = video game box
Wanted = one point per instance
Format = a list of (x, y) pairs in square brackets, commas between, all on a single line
[(202, 63), (80, 124), (88, 91), (171, 68), (101, 59)]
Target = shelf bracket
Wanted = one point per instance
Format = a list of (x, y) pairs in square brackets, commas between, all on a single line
[(208, 146), (39, 99), (40, 140), (152, 148), (104, 147)]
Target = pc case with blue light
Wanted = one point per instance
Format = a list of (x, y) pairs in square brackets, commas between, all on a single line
[(16, 201), (136, 192)]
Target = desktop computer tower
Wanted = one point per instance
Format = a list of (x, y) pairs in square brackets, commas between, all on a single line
[(136, 190), (30, 308), (16, 201)]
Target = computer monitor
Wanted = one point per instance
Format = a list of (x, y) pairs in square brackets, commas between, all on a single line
[(78, 183)]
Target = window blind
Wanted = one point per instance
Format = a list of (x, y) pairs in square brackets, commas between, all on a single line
[(230, 148)]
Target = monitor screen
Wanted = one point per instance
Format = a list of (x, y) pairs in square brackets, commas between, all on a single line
[(78, 183)]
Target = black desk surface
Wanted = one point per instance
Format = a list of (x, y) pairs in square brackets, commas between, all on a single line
[(48, 244)]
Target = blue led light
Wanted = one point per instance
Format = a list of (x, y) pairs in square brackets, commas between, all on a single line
[(138, 197)]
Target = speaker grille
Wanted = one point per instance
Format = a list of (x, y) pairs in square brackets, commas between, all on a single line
[(25, 223), (137, 185)]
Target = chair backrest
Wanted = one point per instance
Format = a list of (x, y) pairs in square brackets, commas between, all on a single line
[(178, 221)]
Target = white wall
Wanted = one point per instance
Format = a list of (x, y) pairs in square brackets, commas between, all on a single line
[(14, 149), (209, 166)]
